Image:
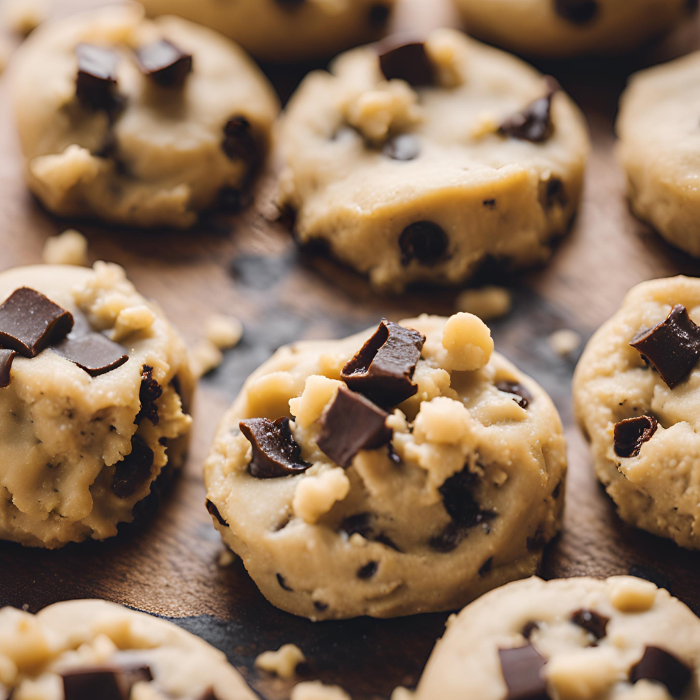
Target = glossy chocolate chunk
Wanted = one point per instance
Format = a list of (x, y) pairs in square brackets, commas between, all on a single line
[(577, 11), (663, 667), (534, 123), (521, 395), (630, 434), (97, 76), (29, 322), (424, 242), (522, 670), (672, 347), (593, 622), (214, 511), (93, 352), (352, 423), (406, 60), (404, 147), (275, 453), (134, 470), (165, 63), (149, 392), (382, 370), (239, 143), (6, 359), (105, 683)]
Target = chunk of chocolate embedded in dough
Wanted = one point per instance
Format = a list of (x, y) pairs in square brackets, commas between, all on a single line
[(406, 60), (275, 453), (522, 670), (593, 622), (534, 123), (164, 63), (97, 76), (93, 353), (6, 359), (663, 667), (630, 434)]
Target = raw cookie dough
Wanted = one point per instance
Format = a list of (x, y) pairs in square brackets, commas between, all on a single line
[(462, 497), (483, 158), (563, 28), (659, 148), (286, 30), (643, 420), (162, 120), (569, 639), (92, 649), (81, 449)]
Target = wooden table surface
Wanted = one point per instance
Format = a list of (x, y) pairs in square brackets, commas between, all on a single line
[(249, 267)]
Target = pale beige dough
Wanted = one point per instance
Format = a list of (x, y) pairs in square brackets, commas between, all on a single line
[(164, 160), (88, 634), (64, 433), (294, 533)]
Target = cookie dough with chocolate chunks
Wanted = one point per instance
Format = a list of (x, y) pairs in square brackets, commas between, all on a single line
[(139, 122), (381, 497), (636, 390), (95, 388), (416, 161), (94, 650)]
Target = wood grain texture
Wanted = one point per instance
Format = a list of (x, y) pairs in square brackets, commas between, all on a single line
[(249, 267)]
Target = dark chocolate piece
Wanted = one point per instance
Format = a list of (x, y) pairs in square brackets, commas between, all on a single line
[(134, 470), (486, 567), (379, 15), (404, 147), (593, 622), (534, 123), (522, 671), (521, 395), (406, 60), (105, 683), (93, 353), (577, 11), (352, 423), (149, 392), (6, 359), (321, 607), (672, 347), (530, 628), (631, 433), (214, 511), (663, 667), (275, 453), (97, 76), (283, 583), (368, 570), (424, 242), (363, 524), (239, 143), (554, 193), (165, 63), (383, 368), (29, 322)]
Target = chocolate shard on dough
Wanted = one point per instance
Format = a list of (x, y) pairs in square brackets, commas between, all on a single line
[(663, 667), (382, 370), (534, 123), (409, 61), (275, 453), (6, 359), (593, 622), (29, 322), (133, 470), (97, 76), (672, 347), (105, 683), (352, 423), (165, 63), (521, 395), (92, 352), (522, 671), (630, 434)]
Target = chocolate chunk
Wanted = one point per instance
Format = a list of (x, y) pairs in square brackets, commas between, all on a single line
[(522, 671), (557, 490), (521, 395), (321, 607), (275, 453), (403, 147), (486, 567), (29, 322), (379, 15), (529, 629), (534, 123), (593, 622), (93, 353), (424, 242), (105, 683), (368, 570), (134, 470), (537, 541), (164, 63), (383, 368), (489, 203), (672, 347), (352, 423), (663, 667), (239, 143), (554, 193), (149, 392), (97, 76), (214, 511), (409, 61), (577, 11), (631, 433), (283, 583), (6, 359)]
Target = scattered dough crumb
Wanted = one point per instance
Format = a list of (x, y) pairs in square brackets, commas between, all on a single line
[(68, 248), (401, 694), (282, 662), (486, 303), (206, 357), (564, 342), (315, 690), (226, 558), (223, 331), (24, 16)]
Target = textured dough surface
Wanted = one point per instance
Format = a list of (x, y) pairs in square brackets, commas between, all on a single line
[(492, 195), (86, 634), (659, 489), (313, 563), (64, 433), (164, 160), (465, 662)]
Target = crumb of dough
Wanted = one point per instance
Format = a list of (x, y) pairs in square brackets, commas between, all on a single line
[(282, 662), (68, 248), (226, 558), (401, 694), (486, 303), (205, 357), (24, 16), (223, 331), (564, 342), (315, 690)]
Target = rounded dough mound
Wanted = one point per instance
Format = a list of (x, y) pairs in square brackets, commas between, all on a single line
[(580, 666), (659, 489), (580, 27), (156, 158), (84, 636), (67, 435), (492, 195), (464, 499), (659, 148)]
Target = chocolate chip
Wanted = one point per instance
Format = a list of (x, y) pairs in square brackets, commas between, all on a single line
[(383, 368), (522, 671), (593, 622), (275, 453), (321, 607), (554, 193), (103, 683), (214, 512), (521, 395), (134, 470), (352, 423), (663, 667), (557, 490), (576, 11), (630, 434), (379, 14), (534, 123), (424, 242), (529, 629), (363, 524), (404, 147), (489, 203), (29, 322), (486, 566), (6, 359), (409, 61), (149, 392), (239, 143), (97, 76), (283, 583), (209, 695), (93, 353), (672, 347), (164, 63), (368, 570), (537, 541)]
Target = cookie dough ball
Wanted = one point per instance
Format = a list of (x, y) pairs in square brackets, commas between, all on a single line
[(637, 395), (403, 470), (95, 388), (659, 148), (286, 30), (417, 162), (573, 639), (564, 28), (93, 649), (137, 122)]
